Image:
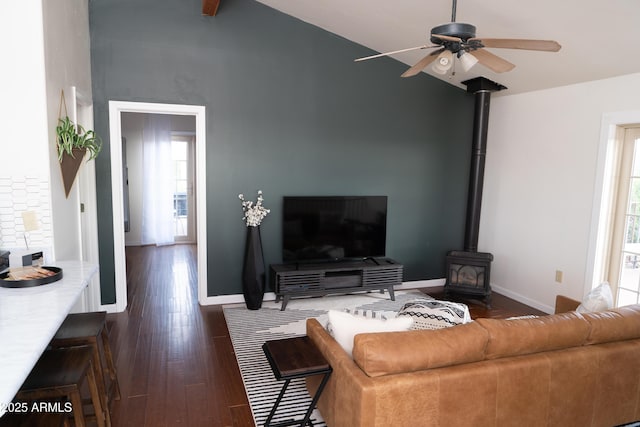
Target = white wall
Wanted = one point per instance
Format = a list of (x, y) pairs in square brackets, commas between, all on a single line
[(132, 124), (23, 118), (539, 185), (46, 45), (67, 64), (23, 112)]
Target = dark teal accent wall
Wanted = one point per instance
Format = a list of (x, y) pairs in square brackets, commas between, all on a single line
[(290, 113)]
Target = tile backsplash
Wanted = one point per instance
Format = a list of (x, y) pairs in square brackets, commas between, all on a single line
[(17, 195)]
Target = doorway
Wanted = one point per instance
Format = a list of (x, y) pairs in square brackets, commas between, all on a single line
[(197, 155), (624, 260), (82, 113), (184, 200), (159, 174), (611, 244)]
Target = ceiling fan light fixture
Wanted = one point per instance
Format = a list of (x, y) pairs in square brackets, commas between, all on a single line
[(467, 60), (459, 39), (444, 62)]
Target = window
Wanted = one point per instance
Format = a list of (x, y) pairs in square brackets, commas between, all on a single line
[(624, 263)]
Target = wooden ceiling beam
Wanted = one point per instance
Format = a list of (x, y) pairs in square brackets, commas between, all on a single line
[(210, 7)]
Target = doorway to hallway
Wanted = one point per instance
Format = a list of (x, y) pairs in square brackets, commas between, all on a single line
[(121, 175), (159, 179)]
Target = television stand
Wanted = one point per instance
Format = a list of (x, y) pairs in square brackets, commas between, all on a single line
[(342, 277)]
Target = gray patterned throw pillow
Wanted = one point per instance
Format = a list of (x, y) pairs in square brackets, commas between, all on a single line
[(433, 314)]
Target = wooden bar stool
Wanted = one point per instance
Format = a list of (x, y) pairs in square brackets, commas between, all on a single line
[(91, 329), (60, 373), (34, 419)]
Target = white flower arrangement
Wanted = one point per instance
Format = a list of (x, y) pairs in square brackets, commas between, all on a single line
[(253, 213)]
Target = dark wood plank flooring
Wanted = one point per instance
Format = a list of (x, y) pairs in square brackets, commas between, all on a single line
[(175, 361)]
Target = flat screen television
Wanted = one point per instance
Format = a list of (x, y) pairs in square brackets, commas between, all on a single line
[(333, 228)]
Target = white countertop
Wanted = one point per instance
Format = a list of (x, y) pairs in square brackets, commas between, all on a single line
[(30, 317)]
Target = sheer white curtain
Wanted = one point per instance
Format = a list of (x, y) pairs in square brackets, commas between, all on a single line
[(157, 171)]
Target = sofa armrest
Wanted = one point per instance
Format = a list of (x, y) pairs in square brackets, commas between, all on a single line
[(565, 304), (347, 398)]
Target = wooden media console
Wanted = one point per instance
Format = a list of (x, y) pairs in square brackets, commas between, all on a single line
[(340, 277)]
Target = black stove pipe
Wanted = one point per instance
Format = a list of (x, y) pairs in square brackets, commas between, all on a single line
[(482, 89)]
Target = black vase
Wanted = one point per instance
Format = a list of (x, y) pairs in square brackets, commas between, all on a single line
[(253, 276)]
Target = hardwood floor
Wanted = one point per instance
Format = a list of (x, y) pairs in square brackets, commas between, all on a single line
[(501, 306), (174, 358)]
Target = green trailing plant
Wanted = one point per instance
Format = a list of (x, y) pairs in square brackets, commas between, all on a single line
[(70, 136)]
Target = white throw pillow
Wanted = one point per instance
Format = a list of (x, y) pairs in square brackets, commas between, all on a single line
[(433, 314), (599, 299), (343, 327)]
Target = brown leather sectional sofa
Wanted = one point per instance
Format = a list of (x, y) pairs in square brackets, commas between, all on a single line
[(566, 369)]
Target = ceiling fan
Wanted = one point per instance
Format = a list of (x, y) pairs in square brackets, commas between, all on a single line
[(456, 39)]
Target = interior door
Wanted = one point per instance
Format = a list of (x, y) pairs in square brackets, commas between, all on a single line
[(184, 200)]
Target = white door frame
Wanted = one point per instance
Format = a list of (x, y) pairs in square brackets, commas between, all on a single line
[(81, 110), (116, 108), (597, 254)]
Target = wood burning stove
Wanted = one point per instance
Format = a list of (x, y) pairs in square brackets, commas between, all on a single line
[(469, 271)]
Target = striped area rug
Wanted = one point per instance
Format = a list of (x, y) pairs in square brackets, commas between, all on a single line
[(249, 329)]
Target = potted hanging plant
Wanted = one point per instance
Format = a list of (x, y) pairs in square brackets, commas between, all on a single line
[(71, 136), (73, 143)]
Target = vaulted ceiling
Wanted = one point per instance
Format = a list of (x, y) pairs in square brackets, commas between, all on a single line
[(599, 38)]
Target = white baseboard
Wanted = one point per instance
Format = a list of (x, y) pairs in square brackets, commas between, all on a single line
[(270, 296), (415, 284), (110, 308), (502, 291), (233, 299), (522, 299)]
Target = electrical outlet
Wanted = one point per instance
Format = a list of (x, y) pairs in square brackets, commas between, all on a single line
[(559, 275)]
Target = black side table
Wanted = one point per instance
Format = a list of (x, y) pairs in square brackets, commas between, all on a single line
[(295, 358)]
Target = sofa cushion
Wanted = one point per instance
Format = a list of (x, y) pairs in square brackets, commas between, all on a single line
[(398, 352), (433, 314), (614, 325), (534, 335), (344, 326)]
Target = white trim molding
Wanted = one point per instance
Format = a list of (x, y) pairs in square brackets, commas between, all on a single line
[(270, 296), (599, 211), (116, 108)]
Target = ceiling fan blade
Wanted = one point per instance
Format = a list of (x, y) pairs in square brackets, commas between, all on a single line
[(526, 44), (420, 65), (392, 53), (493, 62), (447, 38)]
